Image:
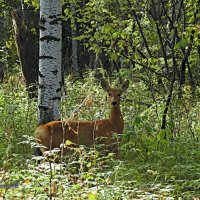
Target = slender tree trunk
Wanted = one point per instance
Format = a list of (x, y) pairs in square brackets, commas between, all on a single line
[(1, 72), (3, 37), (27, 46), (171, 89), (50, 61), (74, 57)]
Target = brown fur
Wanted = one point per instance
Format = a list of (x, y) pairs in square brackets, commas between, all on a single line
[(55, 133)]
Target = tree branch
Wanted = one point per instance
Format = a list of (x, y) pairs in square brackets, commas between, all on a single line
[(140, 28)]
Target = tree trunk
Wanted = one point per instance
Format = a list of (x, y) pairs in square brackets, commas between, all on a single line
[(1, 73), (74, 57), (27, 46), (50, 61), (3, 38)]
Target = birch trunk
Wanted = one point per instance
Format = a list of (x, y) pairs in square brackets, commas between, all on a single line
[(49, 92)]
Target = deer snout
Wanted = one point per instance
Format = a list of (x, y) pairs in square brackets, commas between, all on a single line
[(114, 103)]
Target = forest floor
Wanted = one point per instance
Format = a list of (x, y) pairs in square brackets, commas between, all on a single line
[(162, 176), (152, 167)]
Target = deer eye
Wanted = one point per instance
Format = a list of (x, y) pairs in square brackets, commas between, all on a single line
[(109, 94), (119, 95)]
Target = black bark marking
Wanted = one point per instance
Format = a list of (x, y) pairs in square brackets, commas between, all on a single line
[(49, 38), (55, 72), (46, 57), (56, 98), (45, 108), (52, 16), (58, 90), (42, 20), (56, 19), (40, 74), (42, 28)]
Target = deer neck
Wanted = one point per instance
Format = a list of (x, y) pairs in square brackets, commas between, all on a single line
[(116, 119)]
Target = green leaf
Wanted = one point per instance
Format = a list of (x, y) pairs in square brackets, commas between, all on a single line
[(138, 120), (89, 164), (68, 142), (148, 129), (92, 196), (161, 135), (182, 43)]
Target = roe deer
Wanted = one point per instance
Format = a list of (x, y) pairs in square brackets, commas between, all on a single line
[(54, 134)]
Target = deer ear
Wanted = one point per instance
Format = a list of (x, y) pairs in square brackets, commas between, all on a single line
[(105, 85), (125, 85)]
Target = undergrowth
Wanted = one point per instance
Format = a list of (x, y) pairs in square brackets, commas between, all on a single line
[(150, 167)]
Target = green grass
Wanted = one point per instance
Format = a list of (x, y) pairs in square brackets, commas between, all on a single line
[(150, 167)]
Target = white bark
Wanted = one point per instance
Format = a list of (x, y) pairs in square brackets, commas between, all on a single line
[(49, 93)]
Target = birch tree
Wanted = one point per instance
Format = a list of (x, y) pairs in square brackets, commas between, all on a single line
[(49, 92)]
